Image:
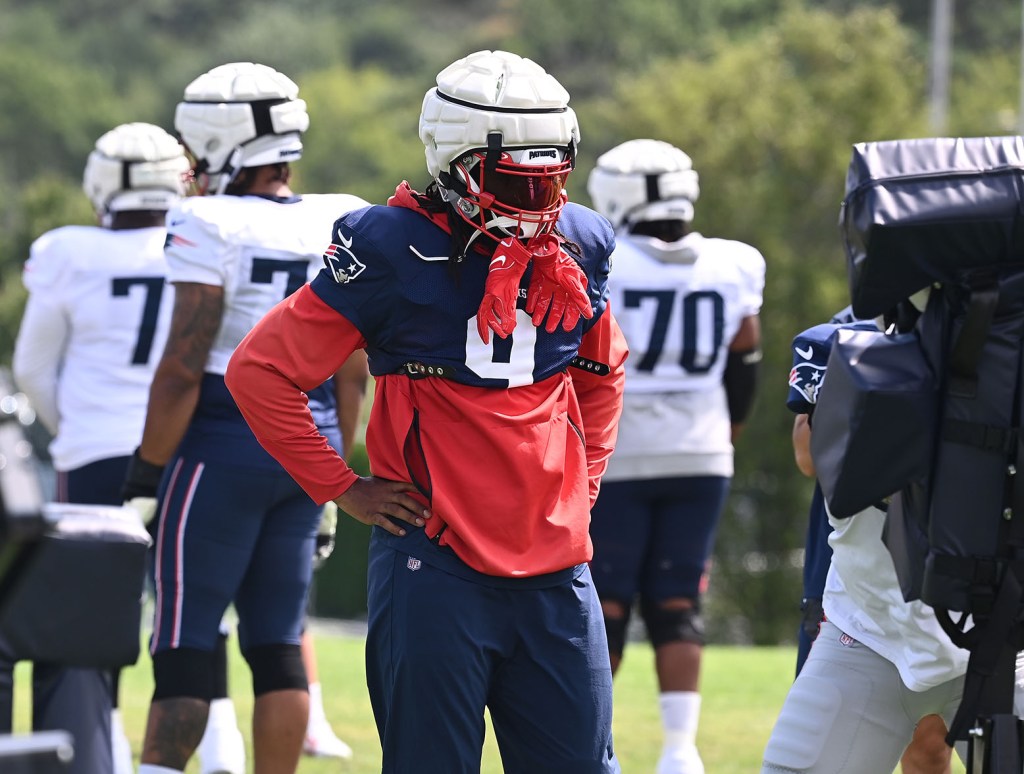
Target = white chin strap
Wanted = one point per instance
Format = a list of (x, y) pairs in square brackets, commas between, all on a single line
[(506, 226), (512, 227), (228, 172)]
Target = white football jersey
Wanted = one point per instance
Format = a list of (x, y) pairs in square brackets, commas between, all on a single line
[(94, 328), (863, 598), (679, 313), (258, 249)]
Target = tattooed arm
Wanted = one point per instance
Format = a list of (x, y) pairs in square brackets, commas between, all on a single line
[(175, 389)]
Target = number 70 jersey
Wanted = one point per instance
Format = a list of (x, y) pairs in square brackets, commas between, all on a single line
[(258, 249), (679, 317)]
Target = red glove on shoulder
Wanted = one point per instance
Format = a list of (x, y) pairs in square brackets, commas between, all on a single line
[(558, 287), (497, 311)]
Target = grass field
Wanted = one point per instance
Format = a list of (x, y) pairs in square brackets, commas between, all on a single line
[(743, 689)]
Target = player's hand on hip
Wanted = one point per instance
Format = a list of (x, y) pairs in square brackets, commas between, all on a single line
[(378, 502)]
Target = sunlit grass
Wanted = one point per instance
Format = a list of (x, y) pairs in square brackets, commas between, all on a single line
[(742, 689)]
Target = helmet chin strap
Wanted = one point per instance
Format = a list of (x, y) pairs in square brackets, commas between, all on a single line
[(498, 226), (229, 171)]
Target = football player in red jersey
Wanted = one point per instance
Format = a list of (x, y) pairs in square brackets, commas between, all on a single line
[(481, 304)]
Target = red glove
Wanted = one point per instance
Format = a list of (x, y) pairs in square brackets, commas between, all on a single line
[(497, 311), (558, 287)]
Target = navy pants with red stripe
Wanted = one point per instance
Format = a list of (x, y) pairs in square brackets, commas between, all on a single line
[(231, 534)]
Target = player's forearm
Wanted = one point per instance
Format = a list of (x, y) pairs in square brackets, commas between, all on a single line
[(172, 402), (38, 353), (600, 394), (40, 387), (278, 415), (802, 445), (295, 347)]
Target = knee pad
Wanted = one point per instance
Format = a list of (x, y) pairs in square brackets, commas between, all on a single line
[(184, 673), (615, 628), (665, 625), (276, 668)]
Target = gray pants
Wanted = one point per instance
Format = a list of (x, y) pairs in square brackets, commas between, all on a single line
[(848, 712), (63, 698)]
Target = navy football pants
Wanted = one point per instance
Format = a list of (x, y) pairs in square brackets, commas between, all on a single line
[(653, 537), (442, 646), (228, 534)]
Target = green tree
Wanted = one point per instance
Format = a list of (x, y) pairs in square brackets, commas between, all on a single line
[(44, 204), (363, 134), (769, 122)]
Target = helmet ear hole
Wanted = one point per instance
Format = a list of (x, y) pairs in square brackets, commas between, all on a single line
[(135, 166), (644, 180)]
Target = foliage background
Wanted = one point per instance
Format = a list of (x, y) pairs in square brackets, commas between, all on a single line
[(767, 96)]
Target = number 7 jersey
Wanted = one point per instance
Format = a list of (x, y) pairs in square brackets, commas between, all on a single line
[(93, 330), (258, 249), (679, 313)]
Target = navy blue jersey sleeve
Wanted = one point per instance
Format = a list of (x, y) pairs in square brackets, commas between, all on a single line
[(357, 280), (810, 359)]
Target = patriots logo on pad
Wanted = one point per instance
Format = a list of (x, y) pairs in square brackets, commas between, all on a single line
[(342, 263)]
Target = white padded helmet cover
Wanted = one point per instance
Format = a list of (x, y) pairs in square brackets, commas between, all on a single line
[(217, 117), (135, 166), (488, 92), (620, 183)]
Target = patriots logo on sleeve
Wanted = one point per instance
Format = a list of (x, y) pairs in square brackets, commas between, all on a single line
[(804, 382), (342, 262), (810, 361)]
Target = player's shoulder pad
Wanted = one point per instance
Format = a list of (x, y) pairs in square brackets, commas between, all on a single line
[(211, 214), (845, 316), (337, 204), (587, 228), (379, 236), (815, 343), (61, 251)]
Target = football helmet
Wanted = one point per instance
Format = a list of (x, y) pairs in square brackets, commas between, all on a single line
[(643, 180), (500, 141), (135, 167), (240, 115)]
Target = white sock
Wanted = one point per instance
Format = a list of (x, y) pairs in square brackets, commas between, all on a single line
[(222, 714), (316, 705), (120, 748), (680, 711), (152, 768)]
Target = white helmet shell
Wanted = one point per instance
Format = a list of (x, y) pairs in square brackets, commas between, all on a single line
[(135, 166), (241, 114), (494, 92), (644, 180)]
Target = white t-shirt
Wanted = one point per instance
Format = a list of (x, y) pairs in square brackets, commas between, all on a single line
[(257, 249), (93, 331), (679, 309), (863, 598)]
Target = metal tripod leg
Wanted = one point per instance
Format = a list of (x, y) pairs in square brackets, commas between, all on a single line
[(996, 744)]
